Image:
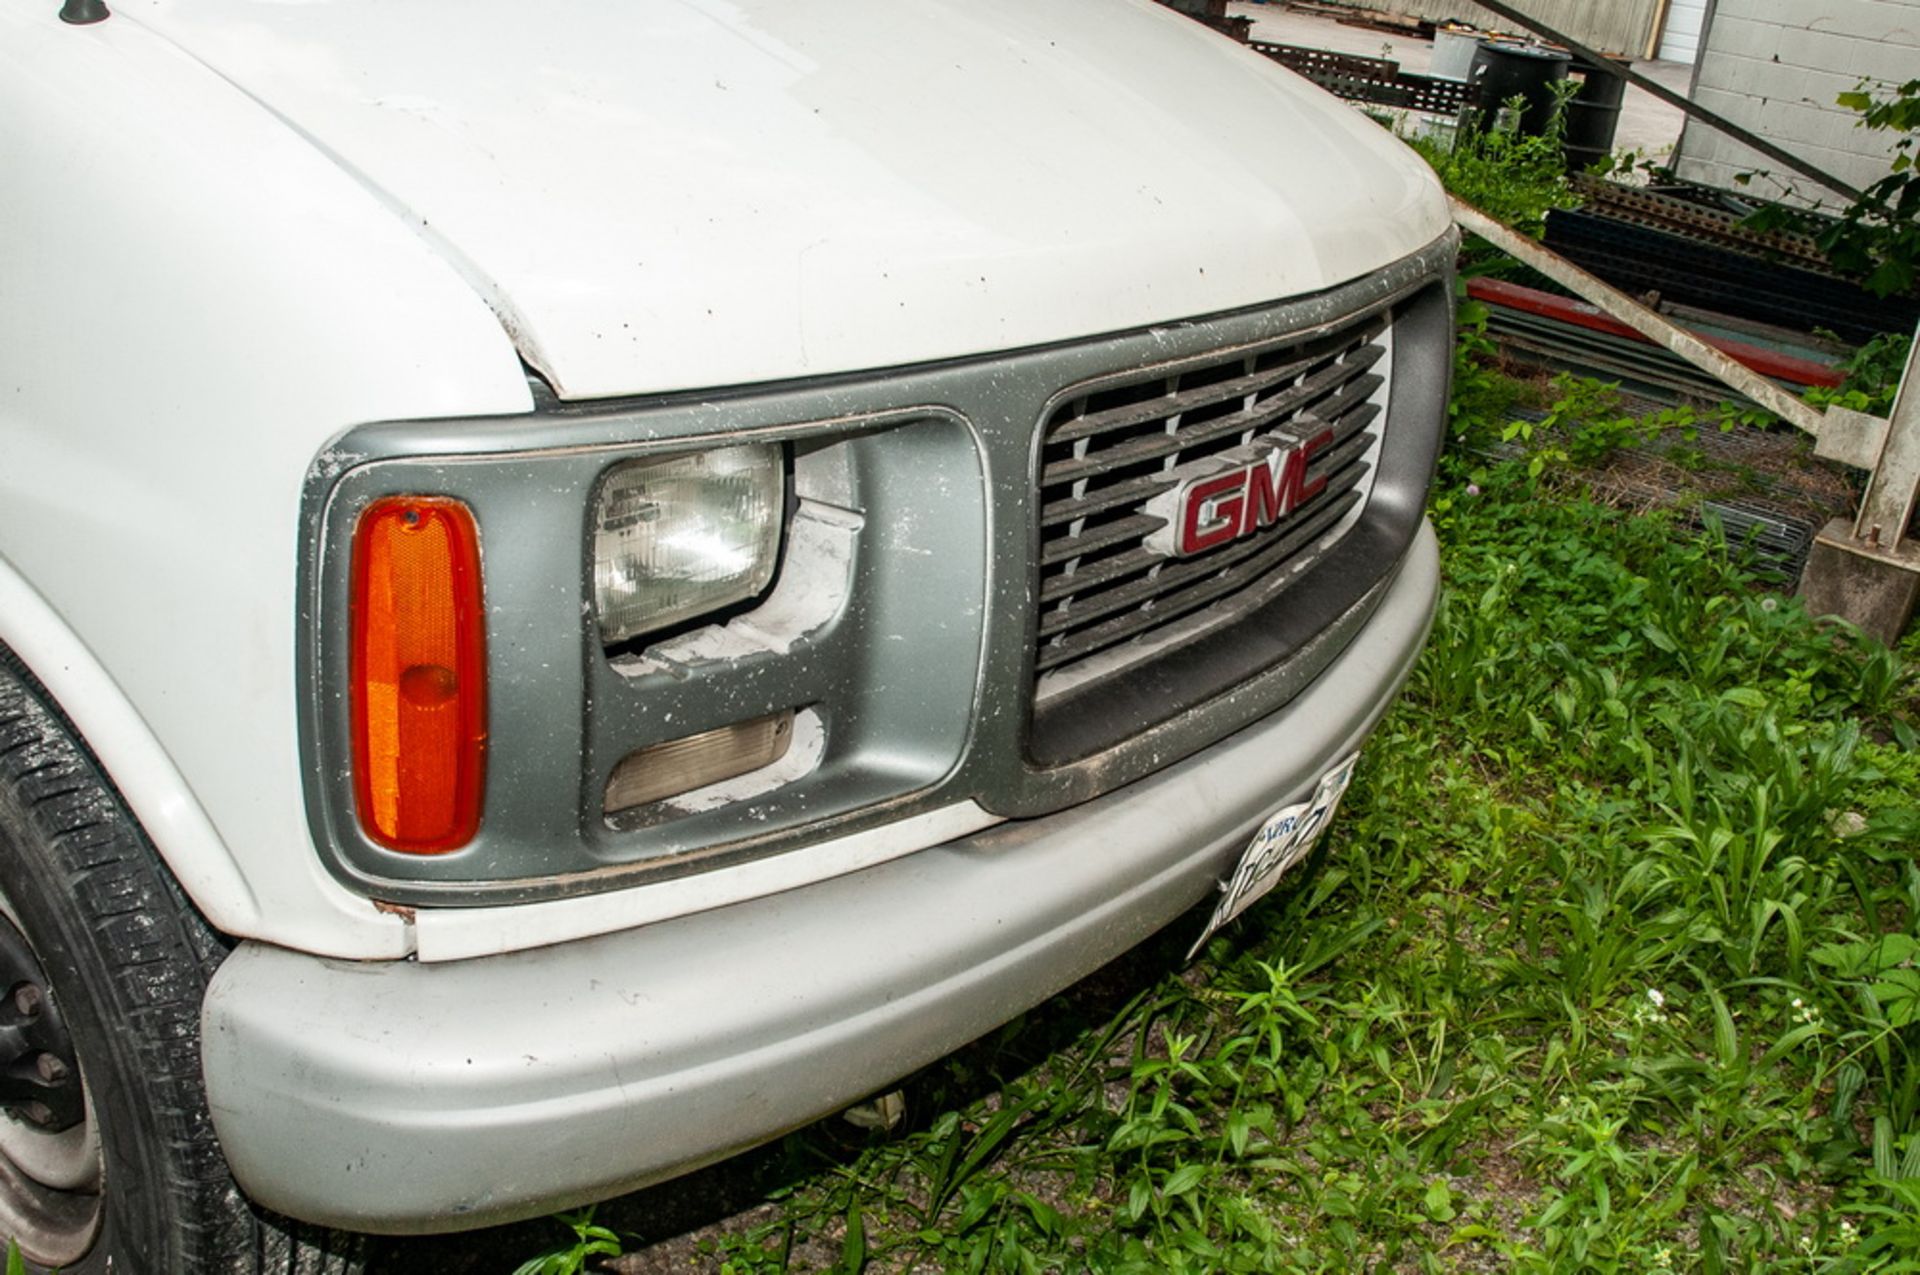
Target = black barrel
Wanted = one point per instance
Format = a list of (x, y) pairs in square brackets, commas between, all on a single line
[(1505, 70), (1593, 116)]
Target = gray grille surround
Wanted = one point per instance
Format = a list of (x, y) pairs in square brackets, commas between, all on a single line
[(915, 491), (1109, 598)]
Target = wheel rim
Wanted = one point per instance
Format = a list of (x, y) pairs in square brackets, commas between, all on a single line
[(51, 1174)]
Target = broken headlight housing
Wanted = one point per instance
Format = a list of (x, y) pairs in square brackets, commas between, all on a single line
[(679, 537)]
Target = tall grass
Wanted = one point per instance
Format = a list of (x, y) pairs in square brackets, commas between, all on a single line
[(1609, 964)]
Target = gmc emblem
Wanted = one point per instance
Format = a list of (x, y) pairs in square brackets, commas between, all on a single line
[(1223, 498)]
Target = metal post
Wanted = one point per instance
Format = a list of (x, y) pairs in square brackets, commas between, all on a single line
[(1867, 571), (1886, 509)]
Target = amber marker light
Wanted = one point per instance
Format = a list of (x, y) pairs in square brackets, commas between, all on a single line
[(419, 672)]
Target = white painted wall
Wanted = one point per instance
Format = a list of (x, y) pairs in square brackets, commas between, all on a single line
[(1775, 67), (1680, 41)]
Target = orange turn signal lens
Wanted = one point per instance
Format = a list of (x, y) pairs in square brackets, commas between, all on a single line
[(419, 671)]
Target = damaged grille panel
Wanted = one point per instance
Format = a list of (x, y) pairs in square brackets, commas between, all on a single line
[(1300, 421)]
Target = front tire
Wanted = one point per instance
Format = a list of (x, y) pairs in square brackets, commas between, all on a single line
[(108, 1160)]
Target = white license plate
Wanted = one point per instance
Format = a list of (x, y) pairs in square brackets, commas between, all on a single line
[(1286, 838)]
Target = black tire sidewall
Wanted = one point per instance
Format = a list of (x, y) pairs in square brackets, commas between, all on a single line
[(133, 1235), (109, 934)]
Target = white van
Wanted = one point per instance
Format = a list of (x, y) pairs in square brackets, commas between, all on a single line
[(583, 584)]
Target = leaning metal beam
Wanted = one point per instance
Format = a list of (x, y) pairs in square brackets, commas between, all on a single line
[(1599, 60), (1653, 326), (1886, 510), (1868, 571)]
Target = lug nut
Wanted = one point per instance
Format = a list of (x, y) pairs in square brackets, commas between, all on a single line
[(51, 1069), (26, 999)]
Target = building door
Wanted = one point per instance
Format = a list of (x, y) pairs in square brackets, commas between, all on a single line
[(1680, 42)]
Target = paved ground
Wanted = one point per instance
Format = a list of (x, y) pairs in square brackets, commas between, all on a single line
[(1647, 124)]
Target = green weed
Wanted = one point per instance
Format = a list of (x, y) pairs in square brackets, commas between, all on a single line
[(1610, 964), (1511, 176), (589, 1241)]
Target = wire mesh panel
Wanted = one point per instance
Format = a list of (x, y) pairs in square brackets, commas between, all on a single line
[(1379, 81)]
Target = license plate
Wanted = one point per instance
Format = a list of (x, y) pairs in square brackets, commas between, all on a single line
[(1286, 838)]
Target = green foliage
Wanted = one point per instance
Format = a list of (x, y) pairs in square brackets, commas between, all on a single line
[(16, 1265), (1482, 394), (1609, 965), (569, 1258), (1583, 422), (1506, 174), (1873, 376), (1878, 237)]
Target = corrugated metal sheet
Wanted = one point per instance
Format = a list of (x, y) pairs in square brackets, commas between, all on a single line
[(1625, 28)]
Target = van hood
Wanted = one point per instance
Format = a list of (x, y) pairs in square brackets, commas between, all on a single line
[(694, 193)]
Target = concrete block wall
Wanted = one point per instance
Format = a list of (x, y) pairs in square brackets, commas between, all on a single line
[(1776, 66)]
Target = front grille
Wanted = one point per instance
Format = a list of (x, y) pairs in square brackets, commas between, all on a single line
[(1108, 599)]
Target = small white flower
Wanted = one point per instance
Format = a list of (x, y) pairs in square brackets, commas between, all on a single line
[(1797, 1002), (1769, 604), (1658, 998), (1849, 1234)]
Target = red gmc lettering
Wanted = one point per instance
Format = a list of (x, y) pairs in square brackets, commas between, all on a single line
[(1241, 501), (1304, 491), (1212, 512)]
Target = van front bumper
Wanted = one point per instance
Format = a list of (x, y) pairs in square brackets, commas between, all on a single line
[(415, 1097)]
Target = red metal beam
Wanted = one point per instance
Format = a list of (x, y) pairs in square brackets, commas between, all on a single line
[(1769, 363)]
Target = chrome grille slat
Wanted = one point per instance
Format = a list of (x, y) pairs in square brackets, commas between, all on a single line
[(1344, 453), (1109, 534), (1089, 580), (1096, 596), (1350, 418), (1265, 415), (1175, 606), (1117, 418), (1091, 423), (1136, 491), (1109, 450)]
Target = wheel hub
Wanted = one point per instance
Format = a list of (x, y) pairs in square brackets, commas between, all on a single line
[(50, 1167), (39, 1083)]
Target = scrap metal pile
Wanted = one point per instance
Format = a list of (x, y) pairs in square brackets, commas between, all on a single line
[(1693, 245)]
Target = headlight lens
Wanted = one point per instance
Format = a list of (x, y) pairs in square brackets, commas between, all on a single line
[(675, 537)]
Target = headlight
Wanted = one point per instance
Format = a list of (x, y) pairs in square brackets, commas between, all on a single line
[(679, 536)]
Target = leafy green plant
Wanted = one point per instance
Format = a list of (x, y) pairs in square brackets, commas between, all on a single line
[(1483, 396), (1873, 373), (1877, 237), (1585, 423), (1513, 177), (1607, 965), (571, 1257)]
